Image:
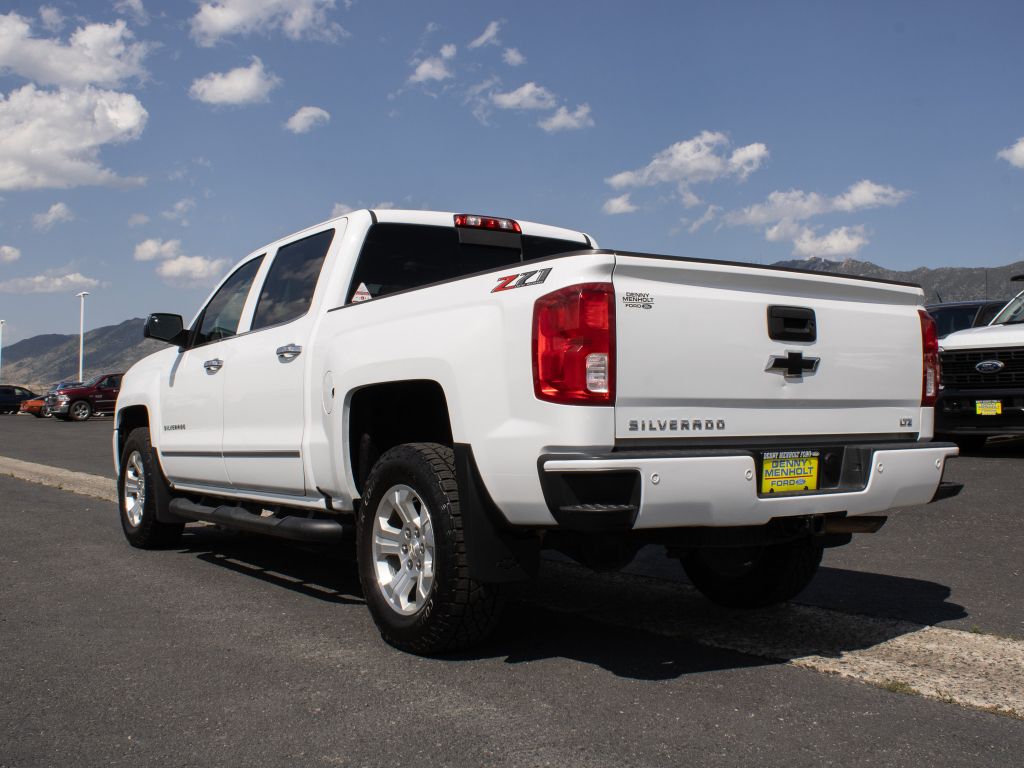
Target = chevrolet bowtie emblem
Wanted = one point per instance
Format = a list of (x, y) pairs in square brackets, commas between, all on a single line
[(793, 366)]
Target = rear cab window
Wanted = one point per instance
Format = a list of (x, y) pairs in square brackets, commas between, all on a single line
[(399, 257), (287, 291)]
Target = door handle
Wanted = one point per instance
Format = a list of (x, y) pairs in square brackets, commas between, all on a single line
[(289, 351), (212, 366)]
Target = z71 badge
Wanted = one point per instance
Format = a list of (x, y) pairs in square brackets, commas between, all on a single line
[(522, 280)]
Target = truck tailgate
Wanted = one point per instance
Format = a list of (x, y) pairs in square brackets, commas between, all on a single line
[(695, 357)]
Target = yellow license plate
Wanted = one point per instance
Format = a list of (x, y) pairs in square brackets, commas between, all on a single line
[(789, 471), (988, 407)]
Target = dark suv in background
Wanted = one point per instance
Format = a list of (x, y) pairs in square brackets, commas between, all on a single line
[(11, 397), (957, 315), (96, 396)]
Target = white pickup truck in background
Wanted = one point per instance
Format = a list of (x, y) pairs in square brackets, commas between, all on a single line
[(459, 392), (982, 391)]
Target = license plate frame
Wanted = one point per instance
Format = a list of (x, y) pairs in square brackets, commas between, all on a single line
[(788, 472), (988, 407)]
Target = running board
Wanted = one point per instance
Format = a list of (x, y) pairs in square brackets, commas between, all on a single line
[(293, 528)]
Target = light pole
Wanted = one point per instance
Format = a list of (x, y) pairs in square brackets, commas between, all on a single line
[(81, 333), (2, 323)]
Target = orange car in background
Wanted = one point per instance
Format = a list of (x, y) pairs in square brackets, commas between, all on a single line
[(36, 406)]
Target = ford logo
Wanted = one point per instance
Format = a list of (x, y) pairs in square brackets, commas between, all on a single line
[(989, 366)]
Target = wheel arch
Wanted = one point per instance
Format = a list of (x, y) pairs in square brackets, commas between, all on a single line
[(381, 416)]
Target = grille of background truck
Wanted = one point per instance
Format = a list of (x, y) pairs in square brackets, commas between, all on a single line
[(958, 368)]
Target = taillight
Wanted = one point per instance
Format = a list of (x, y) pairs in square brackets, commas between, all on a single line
[(574, 345), (931, 375), (471, 221)]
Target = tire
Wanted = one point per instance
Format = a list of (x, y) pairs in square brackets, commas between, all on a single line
[(38, 414), (753, 577), (141, 490), (412, 557), (80, 410)]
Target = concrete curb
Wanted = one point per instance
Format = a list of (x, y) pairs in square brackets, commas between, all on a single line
[(64, 479)]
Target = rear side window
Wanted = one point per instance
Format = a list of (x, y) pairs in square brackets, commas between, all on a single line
[(288, 290), (220, 318), (397, 257)]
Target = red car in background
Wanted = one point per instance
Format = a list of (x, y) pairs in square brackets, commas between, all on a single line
[(98, 395), (36, 406)]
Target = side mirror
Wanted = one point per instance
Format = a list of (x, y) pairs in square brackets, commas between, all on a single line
[(165, 327)]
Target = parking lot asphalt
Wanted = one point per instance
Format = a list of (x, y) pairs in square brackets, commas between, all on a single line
[(232, 650), (958, 563)]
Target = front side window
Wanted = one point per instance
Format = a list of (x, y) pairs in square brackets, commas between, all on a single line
[(221, 316), (288, 290)]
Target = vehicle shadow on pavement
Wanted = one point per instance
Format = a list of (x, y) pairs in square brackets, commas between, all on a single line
[(330, 577), (877, 594), (650, 629), (632, 625)]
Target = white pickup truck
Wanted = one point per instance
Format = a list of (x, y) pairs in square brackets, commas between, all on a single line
[(982, 392), (458, 392)]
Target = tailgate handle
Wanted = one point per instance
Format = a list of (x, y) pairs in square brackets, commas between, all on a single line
[(791, 323)]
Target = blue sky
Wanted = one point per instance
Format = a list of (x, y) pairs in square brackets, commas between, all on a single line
[(144, 147)]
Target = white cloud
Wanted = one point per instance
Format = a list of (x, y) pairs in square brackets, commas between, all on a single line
[(9, 253), (340, 209), (843, 241), (383, 205), (306, 119), (528, 96), (448, 51), (620, 204), (51, 18), (133, 8), (138, 219), (1014, 155), (489, 36), (564, 120), (513, 57), (191, 270), (708, 216), (481, 104), (782, 214), (434, 68), (297, 19), (58, 212), (702, 158), (149, 250), (868, 194), (244, 85), (96, 54), (797, 205), (51, 282), (53, 138), (176, 267), (179, 211)]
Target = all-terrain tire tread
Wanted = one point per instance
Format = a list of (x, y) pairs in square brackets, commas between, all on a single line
[(468, 612)]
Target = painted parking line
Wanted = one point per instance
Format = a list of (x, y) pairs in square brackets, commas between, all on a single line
[(970, 669)]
